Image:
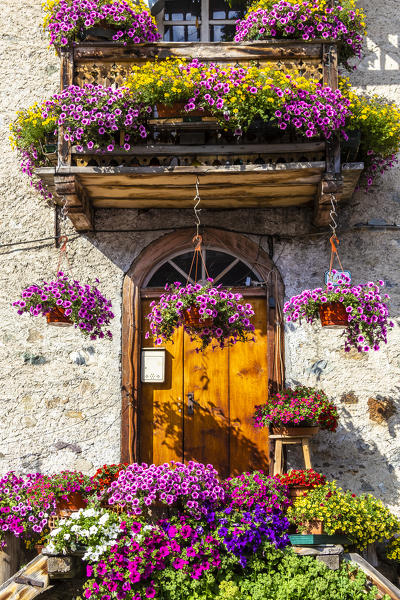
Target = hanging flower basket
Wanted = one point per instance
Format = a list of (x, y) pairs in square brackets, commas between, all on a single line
[(297, 412), (64, 302), (56, 316), (209, 314), (365, 305), (333, 315)]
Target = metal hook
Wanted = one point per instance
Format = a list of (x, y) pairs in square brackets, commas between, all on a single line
[(333, 214), (197, 211)]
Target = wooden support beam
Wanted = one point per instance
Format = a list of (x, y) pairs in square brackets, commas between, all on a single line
[(330, 184), (78, 205)]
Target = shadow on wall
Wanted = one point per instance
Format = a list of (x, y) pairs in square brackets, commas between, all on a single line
[(351, 455)]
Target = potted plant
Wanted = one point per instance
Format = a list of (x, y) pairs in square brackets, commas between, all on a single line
[(268, 19), (82, 305), (209, 314), (126, 21), (300, 481), (296, 412), (367, 316), (363, 519)]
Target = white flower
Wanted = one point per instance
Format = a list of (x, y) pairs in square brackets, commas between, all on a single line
[(55, 531), (104, 519), (93, 530), (67, 536)]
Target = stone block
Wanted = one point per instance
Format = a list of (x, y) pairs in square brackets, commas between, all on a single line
[(61, 567)]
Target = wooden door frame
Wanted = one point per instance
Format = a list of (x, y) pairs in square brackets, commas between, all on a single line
[(155, 253)]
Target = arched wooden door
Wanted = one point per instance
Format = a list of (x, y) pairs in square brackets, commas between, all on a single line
[(203, 410)]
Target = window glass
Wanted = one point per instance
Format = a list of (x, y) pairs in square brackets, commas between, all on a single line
[(222, 33), (181, 33)]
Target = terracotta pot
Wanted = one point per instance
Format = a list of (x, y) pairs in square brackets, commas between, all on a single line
[(295, 491), (39, 548), (177, 109), (314, 527), (288, 431), (56, 316), (333, 315), (65, 507), (192, 318)]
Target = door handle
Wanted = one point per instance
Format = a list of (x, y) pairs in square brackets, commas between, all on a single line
[(191, 404)]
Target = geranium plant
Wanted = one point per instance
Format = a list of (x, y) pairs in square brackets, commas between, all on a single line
[(84, 305), (69, 21), (364, 519), (307, 478), (306, 20), (105, 475), (365, 305), (298, 407)]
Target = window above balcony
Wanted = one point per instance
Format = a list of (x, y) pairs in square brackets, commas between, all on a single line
[(199, 20)]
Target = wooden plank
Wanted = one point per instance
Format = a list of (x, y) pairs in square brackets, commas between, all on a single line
[(216, 51), (66, 79), (248, 387), (37, 570), (206, 431), (209, 149), (161, 416), (227, 203), (382, 583)]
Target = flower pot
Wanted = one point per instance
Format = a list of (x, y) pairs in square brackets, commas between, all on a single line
[(192, 318), (295, 491), (177, 109), (333, 315), (93, 34), (39, 548), (349, 148), (74, 501), (288, 431), (314, 527), (56, 316)]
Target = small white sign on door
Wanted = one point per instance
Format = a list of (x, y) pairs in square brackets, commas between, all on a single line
[(334, 277), (153, 365)]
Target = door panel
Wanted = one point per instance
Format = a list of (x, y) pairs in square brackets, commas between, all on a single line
[(206, 431), (226, 386), (248, 386), (161, 415)]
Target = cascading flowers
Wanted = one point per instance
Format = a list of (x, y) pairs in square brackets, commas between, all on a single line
[(225, 316), (364, 519), (69, 21), (298, 407), (306, 20), (368, 314), (84, 305)]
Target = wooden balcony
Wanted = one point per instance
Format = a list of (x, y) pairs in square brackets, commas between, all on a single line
[(259, 171)]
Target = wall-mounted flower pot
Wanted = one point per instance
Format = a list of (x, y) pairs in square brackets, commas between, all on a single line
[(56, 316), (349, 148), (192, 318), (333, 315), (97, 33), (288, 431)]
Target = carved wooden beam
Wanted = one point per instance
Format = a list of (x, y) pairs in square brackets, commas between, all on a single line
[(77, 202), (330, 184)]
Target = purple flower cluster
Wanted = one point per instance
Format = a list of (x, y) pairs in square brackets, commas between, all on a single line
[(376, 164), (189, 486), (315, 111), (70, 19), (229, 316), (368, 314), (95, 115), (29, 161), (84, 305), (306, 20)]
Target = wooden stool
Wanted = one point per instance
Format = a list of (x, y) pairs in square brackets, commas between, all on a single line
[(280, 441)]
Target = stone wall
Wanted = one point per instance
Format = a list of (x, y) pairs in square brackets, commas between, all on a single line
[(60, 396)]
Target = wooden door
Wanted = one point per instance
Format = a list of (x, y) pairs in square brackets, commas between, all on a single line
[(204, 409)]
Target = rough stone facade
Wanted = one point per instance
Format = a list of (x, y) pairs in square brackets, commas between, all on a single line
[(60, 396)]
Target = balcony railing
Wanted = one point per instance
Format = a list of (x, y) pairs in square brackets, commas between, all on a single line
[(258, 171)]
